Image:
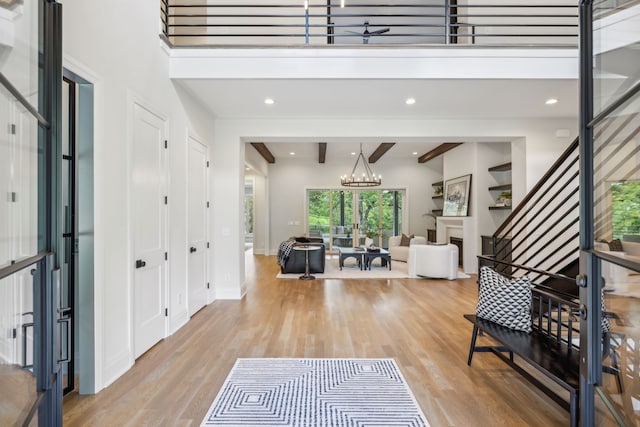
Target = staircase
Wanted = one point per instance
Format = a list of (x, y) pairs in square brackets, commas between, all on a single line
[(541, 237)]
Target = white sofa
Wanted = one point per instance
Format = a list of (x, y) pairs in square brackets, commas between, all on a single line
[(401, 253), (615, 274), (438, 261)]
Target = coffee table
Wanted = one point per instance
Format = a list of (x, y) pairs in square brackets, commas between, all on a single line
[(350, 253), (383, 254)]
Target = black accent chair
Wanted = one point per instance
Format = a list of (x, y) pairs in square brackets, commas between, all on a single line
[(295, 262)]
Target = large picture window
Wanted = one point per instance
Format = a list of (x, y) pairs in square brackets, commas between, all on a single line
[(346, 218), (625, 210)]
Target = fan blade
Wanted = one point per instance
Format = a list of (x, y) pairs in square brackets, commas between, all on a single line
[(355, 33), (382, 31)]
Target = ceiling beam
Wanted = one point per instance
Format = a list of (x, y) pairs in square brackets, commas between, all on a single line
[(440, 149), (322, 152), (264, 151), (382, 148)]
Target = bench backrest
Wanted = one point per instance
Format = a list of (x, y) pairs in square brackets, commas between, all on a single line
[(555, 317)]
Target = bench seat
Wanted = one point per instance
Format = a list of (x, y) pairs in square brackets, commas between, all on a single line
[(555, 360), (549, 348)]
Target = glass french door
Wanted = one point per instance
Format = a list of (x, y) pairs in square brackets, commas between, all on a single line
[(67, 284), (347, 218)]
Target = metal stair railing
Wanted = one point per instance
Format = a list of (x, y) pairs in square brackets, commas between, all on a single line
[(541, 235)]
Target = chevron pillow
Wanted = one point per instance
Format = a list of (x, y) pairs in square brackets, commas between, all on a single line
[(504, 301)]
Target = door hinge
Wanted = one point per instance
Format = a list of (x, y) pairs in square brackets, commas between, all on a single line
[(166, 256), (14, 196), (14, 333), (166, 144), (166, 200), (12, 129), (166, 312), (207, 204), (207, 163), (208, 287), (207, 245)]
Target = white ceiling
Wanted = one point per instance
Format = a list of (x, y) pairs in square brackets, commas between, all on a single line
[(376, 98), (383, 99)]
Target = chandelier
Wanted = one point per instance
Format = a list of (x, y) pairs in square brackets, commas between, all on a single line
[(368, 178)]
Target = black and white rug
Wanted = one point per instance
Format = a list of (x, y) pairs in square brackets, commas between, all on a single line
[(315, 393)]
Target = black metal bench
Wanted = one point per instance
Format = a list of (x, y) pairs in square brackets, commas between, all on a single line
[(549, 348)]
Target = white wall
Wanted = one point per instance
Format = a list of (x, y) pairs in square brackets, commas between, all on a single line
[(115, 45), (290, 178), (125, 61), (535, 138)]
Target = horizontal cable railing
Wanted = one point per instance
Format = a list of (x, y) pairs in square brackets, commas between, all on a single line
[(187, 23), (542, 232)]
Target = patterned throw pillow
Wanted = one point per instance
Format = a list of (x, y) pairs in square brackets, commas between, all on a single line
[(504, 301), (605, 324), (616, 245), (405, 240)]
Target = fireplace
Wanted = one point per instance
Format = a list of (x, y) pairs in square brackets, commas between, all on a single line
[(458, 242), (453, 230)]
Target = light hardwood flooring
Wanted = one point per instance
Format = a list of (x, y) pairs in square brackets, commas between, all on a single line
[(418, 322)]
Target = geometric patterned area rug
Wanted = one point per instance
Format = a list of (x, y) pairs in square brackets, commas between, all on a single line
[(315, 393)]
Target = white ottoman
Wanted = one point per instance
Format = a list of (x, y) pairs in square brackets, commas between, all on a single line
[(439, 261)]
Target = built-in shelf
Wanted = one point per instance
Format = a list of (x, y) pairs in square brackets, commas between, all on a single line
[(437, 198), (500, 187), (505, 167), (501, 168)]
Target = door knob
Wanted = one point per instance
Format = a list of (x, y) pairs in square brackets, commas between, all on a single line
[(192, 250), (140, 263)]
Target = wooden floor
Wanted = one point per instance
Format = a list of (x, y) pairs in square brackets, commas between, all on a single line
[(417, 322)]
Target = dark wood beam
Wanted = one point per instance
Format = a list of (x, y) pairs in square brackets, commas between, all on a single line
[(322, 152), (382, 148), (264, 151), (440, 149)]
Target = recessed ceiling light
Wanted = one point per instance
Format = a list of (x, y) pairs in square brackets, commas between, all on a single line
[(292, 153), (415, 153), (410, 101), (353, 153), (269, 101), (551, 101)]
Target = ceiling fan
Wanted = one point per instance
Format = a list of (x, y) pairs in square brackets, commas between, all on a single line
[(366, 34)]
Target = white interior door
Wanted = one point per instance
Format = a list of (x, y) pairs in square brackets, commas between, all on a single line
[(197, 226), (148, 204)]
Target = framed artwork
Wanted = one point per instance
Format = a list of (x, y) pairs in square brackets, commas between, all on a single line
[(456, 196)]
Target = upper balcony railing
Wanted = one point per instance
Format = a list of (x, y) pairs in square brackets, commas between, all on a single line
[(408, 22)]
